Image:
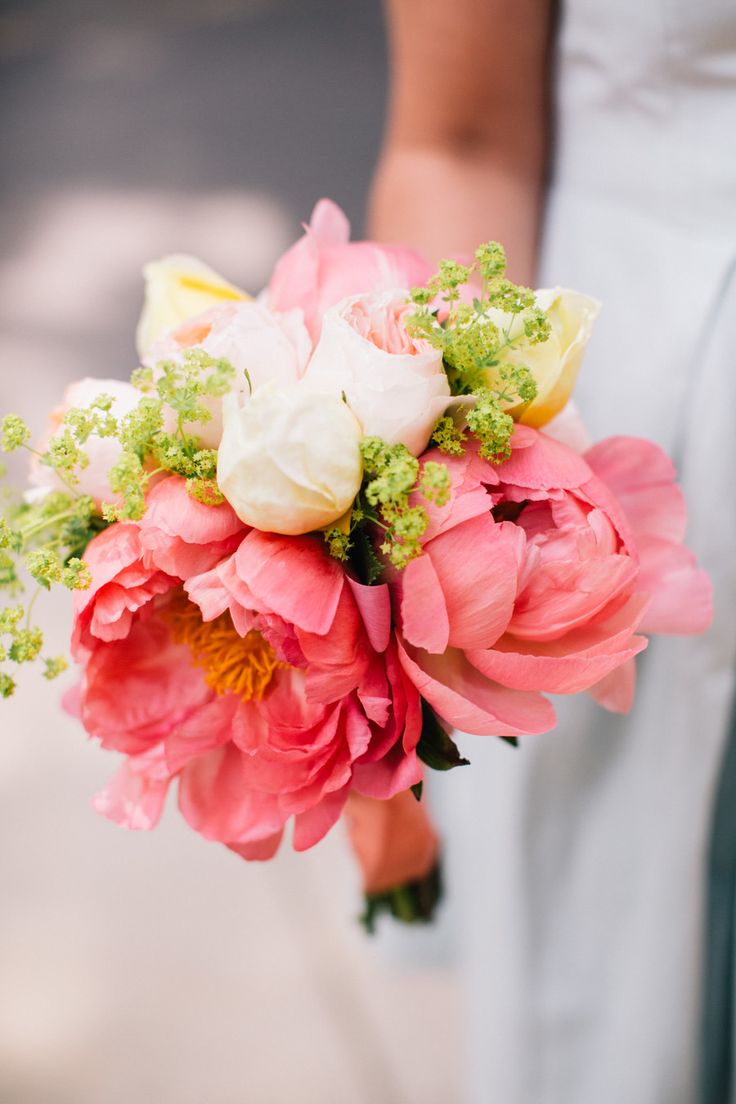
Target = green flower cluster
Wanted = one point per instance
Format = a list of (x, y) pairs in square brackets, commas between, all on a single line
[(393, 483), (175, 392), (482, 346), (43, 541)]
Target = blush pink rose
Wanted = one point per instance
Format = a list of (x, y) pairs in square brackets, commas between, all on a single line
[(324, 267), (103, 453), (395, 384), (263, 346)]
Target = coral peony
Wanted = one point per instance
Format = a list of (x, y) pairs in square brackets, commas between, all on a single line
[(535, 578), (132, 562), (269, 685)]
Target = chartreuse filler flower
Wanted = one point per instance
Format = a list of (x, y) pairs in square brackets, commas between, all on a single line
[(320, 530)]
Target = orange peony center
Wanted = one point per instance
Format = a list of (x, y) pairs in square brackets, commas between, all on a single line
[(232, 664)]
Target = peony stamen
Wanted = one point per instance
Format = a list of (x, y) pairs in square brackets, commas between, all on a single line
[(232, 664)]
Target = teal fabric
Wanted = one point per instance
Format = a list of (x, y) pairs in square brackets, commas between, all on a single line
[(718, 1084)]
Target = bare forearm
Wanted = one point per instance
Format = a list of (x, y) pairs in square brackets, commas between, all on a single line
[(444, 206), (465, 152)]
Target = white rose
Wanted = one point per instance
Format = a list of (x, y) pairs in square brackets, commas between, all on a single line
[(289, 461), (262, 346), (395, 385), (555, 362)]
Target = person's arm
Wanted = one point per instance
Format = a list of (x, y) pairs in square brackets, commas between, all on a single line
[(465, 151)]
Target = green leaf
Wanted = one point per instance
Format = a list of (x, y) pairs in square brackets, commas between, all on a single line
[(364, 558), (513, 740), (436, 747), (416, 789)]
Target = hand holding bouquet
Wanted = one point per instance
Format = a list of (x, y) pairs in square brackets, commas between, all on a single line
[(322, 529)]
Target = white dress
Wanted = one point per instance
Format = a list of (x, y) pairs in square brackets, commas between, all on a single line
[(579, 865)]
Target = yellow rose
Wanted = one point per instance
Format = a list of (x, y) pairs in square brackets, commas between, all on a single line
[(554, 363), (178, 287)]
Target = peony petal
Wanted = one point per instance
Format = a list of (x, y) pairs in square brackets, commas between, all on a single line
[(615, 692), (642, 477), (206, 729), (570, 664), (134, 797), (560, 596), (472, 703), (172, 510), (295, 577), (477, 566), (543, 463), (310, 827), (137, 690), (386, 777), (424, 618), (374, 604), (215, 799), (681, 594), (259, 850)]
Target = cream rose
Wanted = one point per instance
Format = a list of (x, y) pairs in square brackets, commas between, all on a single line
[(395, 385), (555, 362), (102, 452), (262, 345), (289, 461), (177, 288)]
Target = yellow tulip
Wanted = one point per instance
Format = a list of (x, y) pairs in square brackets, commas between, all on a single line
[(179, 287), (554, 363)]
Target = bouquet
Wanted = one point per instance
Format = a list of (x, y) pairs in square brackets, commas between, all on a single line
[(322, 530)]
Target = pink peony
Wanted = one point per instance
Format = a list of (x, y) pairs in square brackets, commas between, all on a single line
[(536, 577), (324, 267), (269, 687)]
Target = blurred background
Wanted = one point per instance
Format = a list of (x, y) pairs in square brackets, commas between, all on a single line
[(159, 967)]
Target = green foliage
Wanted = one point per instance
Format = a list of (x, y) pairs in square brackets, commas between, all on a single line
[(436, 748)]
